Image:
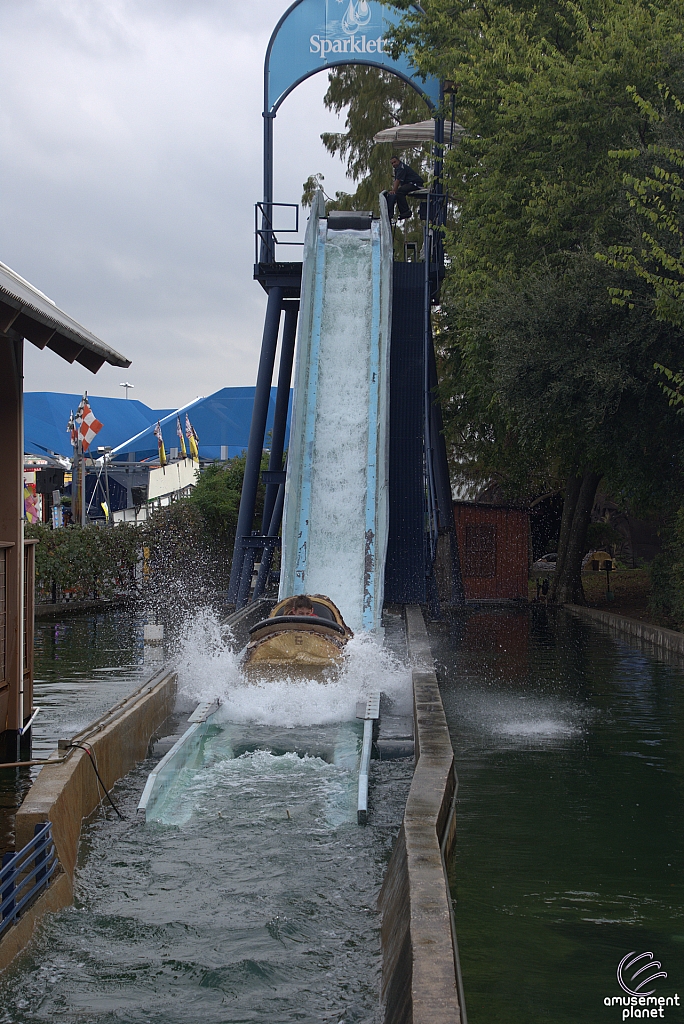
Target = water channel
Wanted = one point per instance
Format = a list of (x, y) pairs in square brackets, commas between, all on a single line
[(570, 850), (254, 898)]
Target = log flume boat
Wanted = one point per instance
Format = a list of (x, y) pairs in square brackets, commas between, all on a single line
[(303, 636)]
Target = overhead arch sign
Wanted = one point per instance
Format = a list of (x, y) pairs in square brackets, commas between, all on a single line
[(314, 35)]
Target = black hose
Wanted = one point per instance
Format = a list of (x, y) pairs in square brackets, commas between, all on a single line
[(92, 761)]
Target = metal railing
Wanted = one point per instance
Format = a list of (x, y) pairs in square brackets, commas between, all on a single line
[(25, 874), (265, 237)]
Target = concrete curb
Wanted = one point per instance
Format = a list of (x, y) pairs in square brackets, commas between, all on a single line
[(419, 974), (667, 639), (58, 895), (67, 792)]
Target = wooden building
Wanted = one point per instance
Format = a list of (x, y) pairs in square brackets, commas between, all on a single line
[(25, 313), (493, 545)]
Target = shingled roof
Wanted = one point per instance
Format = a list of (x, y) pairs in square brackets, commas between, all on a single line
[(27, 313)]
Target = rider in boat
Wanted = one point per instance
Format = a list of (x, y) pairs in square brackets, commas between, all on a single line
[(301, 605)]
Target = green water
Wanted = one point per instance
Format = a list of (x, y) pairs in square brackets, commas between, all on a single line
[(83, 665), (570, 849)]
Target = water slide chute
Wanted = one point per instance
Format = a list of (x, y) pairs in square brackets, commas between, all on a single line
[(335, 518)]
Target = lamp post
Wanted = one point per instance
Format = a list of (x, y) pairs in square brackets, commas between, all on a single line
[(126, 385)]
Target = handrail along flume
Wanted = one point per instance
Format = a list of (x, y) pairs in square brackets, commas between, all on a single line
[(154, 784), (19, 882), (369, 711), (158, 781)]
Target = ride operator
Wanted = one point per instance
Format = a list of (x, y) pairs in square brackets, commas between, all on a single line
[(406, 181)]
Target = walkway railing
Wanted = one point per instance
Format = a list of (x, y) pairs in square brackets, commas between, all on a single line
[(25, 874)]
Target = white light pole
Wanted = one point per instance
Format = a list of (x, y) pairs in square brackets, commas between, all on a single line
[(125, 384)]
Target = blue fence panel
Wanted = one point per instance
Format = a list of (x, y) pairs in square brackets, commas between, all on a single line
[(25, 874)]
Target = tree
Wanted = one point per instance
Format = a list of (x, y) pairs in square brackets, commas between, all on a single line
[(655, 193), (560, 385), (373, 99), (540, 371)]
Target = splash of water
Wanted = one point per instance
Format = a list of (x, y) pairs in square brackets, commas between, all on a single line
[(208, 665), (519, 719)]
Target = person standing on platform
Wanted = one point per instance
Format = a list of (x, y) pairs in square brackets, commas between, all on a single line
[(406, 181)]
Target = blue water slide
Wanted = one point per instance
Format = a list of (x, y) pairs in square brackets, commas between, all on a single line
[(336, 495)]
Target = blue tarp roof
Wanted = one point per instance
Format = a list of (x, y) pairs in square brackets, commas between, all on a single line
[(221, 420), (46, 414)]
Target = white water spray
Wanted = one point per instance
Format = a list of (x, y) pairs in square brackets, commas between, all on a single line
[(208, 665)]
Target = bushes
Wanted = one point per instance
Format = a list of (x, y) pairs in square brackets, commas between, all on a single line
[(182, 553), (85, 562)]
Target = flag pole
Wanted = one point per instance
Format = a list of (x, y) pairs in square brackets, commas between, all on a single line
[(82, 480), (75, 485)]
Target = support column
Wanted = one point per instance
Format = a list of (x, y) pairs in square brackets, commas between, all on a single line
[(275, 463), (12, 534), (267, 247), (443, 488), (257, 431)]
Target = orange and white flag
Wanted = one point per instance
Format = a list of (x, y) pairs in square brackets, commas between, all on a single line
[(90, 426)]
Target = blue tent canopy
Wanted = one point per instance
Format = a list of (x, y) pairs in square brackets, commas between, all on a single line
[(46, 414), (221, 421)]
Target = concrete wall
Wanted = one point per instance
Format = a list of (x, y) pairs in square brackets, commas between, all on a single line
[(666, 639), (419, 974), (67, 791)]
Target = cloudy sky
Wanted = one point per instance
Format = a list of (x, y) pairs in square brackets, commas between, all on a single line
[(130, 162)]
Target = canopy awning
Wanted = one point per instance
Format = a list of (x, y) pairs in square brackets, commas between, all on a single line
[(415, 134), (28, 313)]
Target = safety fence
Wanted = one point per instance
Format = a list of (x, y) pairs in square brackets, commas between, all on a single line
[(25, 874)]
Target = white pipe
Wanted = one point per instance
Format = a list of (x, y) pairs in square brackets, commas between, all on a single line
[(362, 805)]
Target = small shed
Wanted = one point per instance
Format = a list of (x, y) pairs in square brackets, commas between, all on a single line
[(25, 313), (493, 545)]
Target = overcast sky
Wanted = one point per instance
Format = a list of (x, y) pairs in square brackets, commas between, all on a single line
[(130, 162)]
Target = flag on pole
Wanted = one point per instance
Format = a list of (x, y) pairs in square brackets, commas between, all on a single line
[(72, 429), (193, 439), (90, 425), (160, 444), (179, 431)]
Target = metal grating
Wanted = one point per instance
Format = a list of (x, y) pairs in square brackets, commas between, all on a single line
[(405, 571)]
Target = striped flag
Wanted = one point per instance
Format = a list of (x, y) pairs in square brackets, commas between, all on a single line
[(160, 444), (193, 439), (179, 431)]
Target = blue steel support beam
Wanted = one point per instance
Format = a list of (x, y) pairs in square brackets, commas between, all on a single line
[(267, 248), (267, 554), (443, 487), (275, 463), (257, 431)]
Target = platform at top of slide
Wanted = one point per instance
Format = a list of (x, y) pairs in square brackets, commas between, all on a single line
[(336, 518)]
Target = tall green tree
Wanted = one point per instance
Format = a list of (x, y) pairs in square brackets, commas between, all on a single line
[(373, 99), (540, 371)]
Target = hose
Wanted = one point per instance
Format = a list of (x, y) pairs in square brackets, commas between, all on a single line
[(104, 788)]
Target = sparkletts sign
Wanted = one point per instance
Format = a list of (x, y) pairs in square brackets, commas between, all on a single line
[(317, 34)]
